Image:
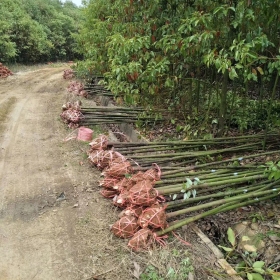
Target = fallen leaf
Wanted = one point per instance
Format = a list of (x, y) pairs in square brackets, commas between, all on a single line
[(250, 248), (136, 272)]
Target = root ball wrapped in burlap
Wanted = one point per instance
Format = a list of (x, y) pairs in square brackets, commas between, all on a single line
[(122, 199), (152, 174), (109, 183), (72, 117), (96, 158), (153, 217), (132, 210), (143, 194), (125, 227), (99, 143), (108, 193), (141, 240), (118, 169)]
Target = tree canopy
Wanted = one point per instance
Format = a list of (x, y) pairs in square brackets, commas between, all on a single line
[(38, 30), (201, 59)]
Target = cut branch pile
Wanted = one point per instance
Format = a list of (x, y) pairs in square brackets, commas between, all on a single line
[(151, 198), (68, 74), (77, 88), (4, 71)]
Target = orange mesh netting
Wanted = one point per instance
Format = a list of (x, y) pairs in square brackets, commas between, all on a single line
[(68, 74), (142, 239), (134, 210), (124, 183), (108, 193), (153, 217), (77, 88), (72, 117), (102, 158), (118, 169), (69, 105), (121, 200), (109, 183), (125, 227), (4, 71), (143, 194), (145, 238), (99, 143), (152, 174), (112, 156), (96, 157)]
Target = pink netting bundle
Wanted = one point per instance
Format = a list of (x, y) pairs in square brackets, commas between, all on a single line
[(96, 158), (124, 184), (121, 200), (137, 177), (108, 193), (112, 156), (99, 143), (143, 194), (152, 174), (153, 217), (72, 105), (141, 240), (133, 210), (109, 183), (118, 169), (68, 74), (77, 88), (144, 239), (103, 159), (125, 227), (72, 117)]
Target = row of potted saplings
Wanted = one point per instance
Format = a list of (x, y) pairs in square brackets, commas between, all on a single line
[(131, 191)]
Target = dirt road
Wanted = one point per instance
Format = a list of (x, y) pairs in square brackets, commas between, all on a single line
[(52, 222)]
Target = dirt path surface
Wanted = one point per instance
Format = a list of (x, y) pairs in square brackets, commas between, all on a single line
[(50, 218)]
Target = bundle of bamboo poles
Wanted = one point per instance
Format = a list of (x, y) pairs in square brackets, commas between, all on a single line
[(113, 115), (187, 192), (181, 153), (94, 88)]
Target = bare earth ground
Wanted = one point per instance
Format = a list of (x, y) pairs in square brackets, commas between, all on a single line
[(53, 222)]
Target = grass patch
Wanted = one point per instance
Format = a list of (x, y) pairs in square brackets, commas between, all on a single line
[(5, 109)]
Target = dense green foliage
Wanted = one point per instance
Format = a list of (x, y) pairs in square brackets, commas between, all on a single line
[(38, 30), (212, 61)]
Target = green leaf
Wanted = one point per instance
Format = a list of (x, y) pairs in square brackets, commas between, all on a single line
[(227, 249), (245, 238), (260, 70), (258, 264), (250, 276), (275, 277), (189, 182), (256, 276), (231, 236), (194, 193), (232, 74)]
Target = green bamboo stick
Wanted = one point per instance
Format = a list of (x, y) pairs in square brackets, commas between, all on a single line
[(223, 208)]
